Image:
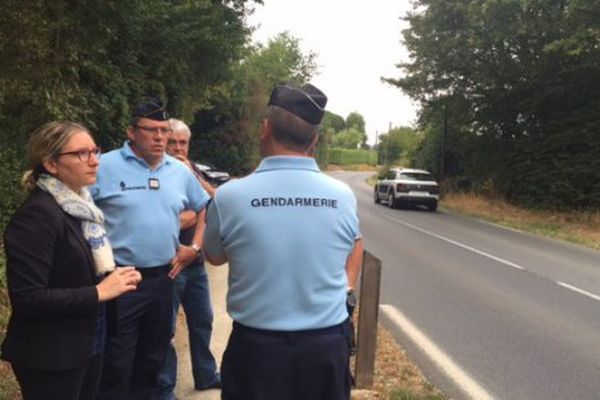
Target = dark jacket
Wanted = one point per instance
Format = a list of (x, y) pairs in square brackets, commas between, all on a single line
[(50, 277)]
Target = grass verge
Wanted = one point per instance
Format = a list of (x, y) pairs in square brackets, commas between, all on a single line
[(582, 228), (395, 376)]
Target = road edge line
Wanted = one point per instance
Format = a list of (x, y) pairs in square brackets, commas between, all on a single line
[(578, 290), (461, 378), (454, 242)]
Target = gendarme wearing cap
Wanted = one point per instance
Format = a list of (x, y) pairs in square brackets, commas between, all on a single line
[(291, 236), (142, 192)]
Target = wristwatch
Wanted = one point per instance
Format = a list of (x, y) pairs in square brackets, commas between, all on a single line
[(350, 300), (196, 248)]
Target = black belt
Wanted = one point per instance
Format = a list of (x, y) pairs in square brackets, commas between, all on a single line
[(340, 328), (152, 272)]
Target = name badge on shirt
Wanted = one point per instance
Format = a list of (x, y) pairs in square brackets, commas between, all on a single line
[(153, 184)]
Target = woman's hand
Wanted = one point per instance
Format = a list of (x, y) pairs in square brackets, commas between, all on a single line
[(121, 280)]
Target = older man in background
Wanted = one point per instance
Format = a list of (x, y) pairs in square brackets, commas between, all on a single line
[(191, 288)]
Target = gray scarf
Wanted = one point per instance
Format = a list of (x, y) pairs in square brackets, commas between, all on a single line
[(81, 206)]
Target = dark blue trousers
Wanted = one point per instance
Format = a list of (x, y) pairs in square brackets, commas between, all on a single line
[(136, 352), (75, 384), (275, 365), (191, 290)]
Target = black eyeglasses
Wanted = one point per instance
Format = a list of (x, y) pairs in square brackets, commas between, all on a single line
[(154, 130), (84, 154)]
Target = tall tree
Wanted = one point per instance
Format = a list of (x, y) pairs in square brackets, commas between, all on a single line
[(523, 74), (350, 138), (356, 122), (399, 145), (332, 122)]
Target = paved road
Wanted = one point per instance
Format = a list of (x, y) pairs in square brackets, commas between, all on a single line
[(497, 313)]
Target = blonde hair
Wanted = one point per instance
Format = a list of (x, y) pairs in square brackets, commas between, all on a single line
[(45, 143)]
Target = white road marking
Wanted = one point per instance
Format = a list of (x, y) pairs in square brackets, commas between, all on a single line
[(462, 379), (580, 291), (454, 242), (500, 260)]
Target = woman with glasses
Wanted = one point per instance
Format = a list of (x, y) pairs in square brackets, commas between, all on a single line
[(60, 270)]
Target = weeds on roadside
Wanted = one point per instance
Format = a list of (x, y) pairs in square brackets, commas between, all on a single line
[(579, 227), (405, 394)]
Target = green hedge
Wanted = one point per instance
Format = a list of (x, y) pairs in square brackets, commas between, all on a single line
[(349, 157), (11, 193)]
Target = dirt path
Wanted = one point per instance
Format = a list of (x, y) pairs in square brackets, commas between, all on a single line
[(221, 329)]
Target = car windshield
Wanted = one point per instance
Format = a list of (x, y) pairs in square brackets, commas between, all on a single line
[(416, 176)]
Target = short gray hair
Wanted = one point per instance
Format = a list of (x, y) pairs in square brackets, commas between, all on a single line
[(178, 126)]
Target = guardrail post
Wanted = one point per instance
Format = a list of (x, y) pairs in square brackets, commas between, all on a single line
[(368, 312)]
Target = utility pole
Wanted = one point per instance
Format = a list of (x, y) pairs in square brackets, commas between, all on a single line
[(442, 172), (376, 147)]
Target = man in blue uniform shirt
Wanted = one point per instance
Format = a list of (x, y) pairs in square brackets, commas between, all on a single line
[(292, 240), (142, 192)]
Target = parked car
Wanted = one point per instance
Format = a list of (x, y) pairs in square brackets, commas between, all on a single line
[(212, 175), (407, 186)]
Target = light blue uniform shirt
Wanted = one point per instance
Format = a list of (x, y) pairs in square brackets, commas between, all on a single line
[(287, 230), (142, 206)]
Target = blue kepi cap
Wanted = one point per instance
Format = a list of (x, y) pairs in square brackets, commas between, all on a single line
[(307, 102), (151, 109)]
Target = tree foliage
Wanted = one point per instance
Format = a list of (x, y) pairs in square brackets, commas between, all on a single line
[(90, 60), (348, 133), (11, 192), (518, 83), (398, 146), (349, 138), (332, 122), (226, 133), (356, 122)]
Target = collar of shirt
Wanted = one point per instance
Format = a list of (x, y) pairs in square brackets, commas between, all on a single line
[(128, 153), (287, 162)]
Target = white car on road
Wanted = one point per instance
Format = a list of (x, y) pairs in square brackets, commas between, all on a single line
[(407, 186)]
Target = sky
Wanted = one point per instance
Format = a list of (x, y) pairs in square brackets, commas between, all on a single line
[(356, 43)]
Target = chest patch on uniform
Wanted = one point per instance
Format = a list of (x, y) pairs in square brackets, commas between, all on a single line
[(124, 187), (293, 202)]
